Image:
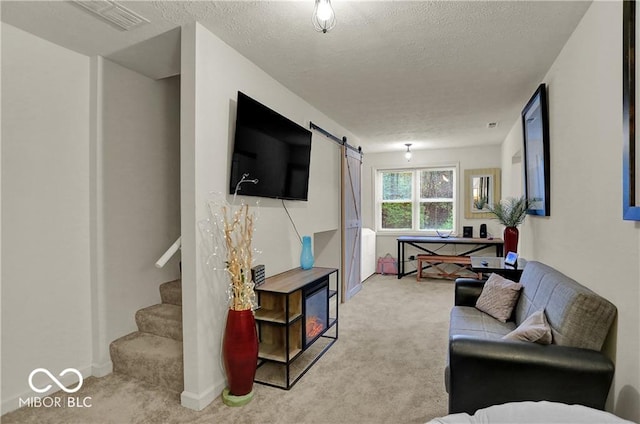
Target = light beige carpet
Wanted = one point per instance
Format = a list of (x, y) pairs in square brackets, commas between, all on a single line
[(386, 367)]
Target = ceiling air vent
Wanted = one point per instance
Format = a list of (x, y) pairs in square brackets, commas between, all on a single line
[(492, 124), (113, 13)]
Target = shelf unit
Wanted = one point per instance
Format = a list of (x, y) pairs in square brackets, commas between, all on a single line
[(286, 351)]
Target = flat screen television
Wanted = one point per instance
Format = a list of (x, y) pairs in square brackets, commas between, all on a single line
[(272, 149)]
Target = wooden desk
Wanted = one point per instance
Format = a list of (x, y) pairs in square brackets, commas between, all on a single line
[(473, 245)]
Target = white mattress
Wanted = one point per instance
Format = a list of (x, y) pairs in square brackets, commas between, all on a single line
[(533, 413)]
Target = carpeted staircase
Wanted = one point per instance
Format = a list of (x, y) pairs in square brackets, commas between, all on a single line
[(154, 352)]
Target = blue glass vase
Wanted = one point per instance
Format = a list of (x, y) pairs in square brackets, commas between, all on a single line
[(306, 257)]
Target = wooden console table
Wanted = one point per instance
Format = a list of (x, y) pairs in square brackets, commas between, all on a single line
[(473, 245), (295, 314)]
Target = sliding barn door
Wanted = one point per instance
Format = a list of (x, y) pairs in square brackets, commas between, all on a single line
[(351, 222)]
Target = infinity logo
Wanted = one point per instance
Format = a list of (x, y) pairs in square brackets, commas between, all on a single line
[(55, 380)]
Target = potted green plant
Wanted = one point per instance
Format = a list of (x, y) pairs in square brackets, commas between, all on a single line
[(511, 212)]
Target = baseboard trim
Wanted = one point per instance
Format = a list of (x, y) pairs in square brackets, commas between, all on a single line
[(198, 402), (102, 370), (70, 379)]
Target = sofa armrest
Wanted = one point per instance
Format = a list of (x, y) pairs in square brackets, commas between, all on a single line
[(489, 372), (467, 291)]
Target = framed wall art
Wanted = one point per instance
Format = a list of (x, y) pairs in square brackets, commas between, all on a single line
[(481, 189), (630, 187), (535, 126)]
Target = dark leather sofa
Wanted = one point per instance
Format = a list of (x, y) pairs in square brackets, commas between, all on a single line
[(484, 370)]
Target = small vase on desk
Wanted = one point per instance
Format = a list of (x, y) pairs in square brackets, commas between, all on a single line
[(306, 257)]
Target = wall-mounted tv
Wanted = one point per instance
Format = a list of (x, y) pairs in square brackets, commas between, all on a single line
[(272, 149)]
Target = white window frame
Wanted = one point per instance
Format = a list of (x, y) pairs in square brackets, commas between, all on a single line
[(415, 200)]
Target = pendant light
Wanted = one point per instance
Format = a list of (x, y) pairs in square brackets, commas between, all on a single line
[(407, 154), (324, 19)]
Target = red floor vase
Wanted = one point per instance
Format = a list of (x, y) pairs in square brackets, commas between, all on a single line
[(240, 351), (510, 240)]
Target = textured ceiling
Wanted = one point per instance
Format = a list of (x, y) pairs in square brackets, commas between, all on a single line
[(432, 73)]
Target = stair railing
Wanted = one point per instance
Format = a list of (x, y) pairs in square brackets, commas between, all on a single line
[(169, 253), (175, 246)]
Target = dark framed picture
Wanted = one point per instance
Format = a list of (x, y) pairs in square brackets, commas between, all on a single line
[(630, 86), (535, 126)]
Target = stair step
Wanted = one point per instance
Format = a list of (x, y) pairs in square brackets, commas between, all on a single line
[(171, 292), (163, 320), (154, 359)]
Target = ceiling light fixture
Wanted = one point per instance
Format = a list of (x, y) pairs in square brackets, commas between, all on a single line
[(407, 154), (324, 19)]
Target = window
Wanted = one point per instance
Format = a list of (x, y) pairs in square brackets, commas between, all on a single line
[(416, 199)]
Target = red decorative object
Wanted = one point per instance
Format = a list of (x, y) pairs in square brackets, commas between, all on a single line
[(510, 240), (240, 351)]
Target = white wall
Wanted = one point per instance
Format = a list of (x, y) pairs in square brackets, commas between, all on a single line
[(585, 236), (137, 197), (212, 73), (91, 179), (463, 158), (46, 309)]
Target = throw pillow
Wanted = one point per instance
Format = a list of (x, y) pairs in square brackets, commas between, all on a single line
[(498, 297), (536, 329)]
